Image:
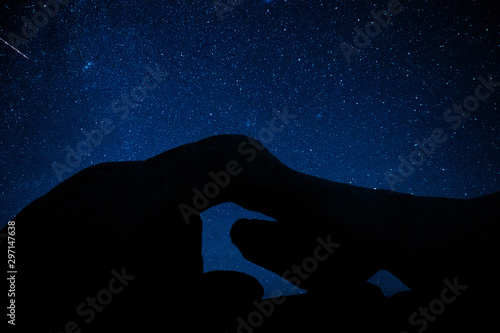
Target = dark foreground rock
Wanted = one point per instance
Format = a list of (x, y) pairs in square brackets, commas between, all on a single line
[(117, 247)]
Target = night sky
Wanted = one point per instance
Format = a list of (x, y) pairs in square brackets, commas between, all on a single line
[(225, 73)]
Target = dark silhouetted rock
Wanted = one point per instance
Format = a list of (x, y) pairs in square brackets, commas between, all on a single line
[(136, 225), (224, 295)]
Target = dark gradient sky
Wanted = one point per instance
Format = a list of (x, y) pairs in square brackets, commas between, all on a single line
[(226, 76)]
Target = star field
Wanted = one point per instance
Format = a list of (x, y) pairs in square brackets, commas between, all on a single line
[(353, 120)]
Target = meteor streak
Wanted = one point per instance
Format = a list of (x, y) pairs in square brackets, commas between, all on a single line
[(14, 48)]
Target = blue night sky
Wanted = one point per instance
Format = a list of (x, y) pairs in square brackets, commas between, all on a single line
[(225, 76)]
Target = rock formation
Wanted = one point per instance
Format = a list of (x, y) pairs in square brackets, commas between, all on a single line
[(117, 247)]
